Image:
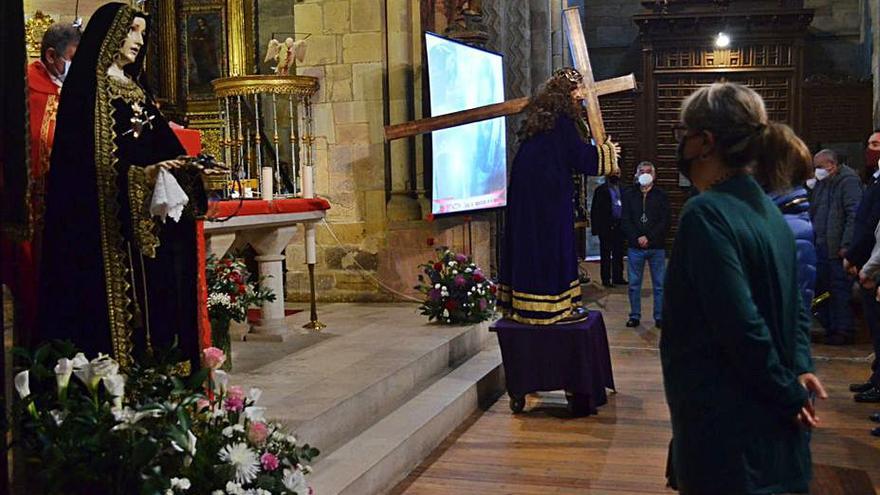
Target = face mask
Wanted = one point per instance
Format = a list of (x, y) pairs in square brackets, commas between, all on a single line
[(683, 164), (811, 183), (821, 174), (64, 72), (645, 180)]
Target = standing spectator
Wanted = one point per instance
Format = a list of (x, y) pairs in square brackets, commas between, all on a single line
[(833, 210), (735, 348), (605, 214), (645, 223), (856, 262)]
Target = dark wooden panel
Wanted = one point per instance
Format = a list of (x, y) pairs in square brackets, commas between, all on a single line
[(837, 112)]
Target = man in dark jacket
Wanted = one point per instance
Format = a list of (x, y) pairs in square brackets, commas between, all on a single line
[(605, 214), (832, 210), (866, 219), (645, 222)]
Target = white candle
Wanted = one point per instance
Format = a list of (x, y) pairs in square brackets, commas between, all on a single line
[(308, 182), (267, 184), (311, 245)]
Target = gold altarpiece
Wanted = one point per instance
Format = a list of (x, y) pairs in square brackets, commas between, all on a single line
[(193, 43)]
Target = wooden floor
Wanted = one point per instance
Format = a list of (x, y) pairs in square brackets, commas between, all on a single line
[(622, 450)]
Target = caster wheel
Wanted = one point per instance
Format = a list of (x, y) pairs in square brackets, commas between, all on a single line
[(517, 404)]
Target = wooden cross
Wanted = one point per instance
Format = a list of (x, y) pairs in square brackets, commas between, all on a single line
[(590, 88)]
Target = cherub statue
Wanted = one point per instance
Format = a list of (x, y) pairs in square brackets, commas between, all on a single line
[(285, 54)]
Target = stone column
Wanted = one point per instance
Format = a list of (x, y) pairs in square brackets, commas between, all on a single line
[(542, 53), (398, 39), (268, 243)]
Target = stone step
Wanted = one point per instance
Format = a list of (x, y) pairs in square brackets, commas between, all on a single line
[(378, 359), (381, 456)]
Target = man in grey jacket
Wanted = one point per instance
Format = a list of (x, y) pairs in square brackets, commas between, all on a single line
[(833, 208)]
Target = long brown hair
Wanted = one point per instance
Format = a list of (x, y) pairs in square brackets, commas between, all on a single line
[(736, 116), (553, 99)]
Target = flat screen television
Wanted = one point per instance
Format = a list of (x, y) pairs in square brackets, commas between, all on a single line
[(469, 161)]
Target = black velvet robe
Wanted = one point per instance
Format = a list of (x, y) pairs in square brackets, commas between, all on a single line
[(113, 279)]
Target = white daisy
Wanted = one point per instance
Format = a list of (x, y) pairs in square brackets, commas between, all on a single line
[(243, 459)]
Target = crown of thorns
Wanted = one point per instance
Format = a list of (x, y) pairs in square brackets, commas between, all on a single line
[(572, 75)]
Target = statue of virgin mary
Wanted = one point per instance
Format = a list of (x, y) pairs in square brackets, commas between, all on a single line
[(115, 279)]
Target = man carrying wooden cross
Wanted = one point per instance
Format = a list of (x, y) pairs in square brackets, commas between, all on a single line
[(539, 278), (539, 282)]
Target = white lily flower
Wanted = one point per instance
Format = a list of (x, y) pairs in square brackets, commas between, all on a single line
[(190, 447), (103, 366), (63, 370), (227, 432), (255, 414), (115, 384), (254, 394), (79, 360), (295, 481), (221, 381), (22, 384)]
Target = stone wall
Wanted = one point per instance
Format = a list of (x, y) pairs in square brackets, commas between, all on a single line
[(377, 231), (345, 51)]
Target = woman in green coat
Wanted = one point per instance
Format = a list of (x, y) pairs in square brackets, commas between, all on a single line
[(735, 346)]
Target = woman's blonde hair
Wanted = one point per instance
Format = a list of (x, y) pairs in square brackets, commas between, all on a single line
[(737, 117)]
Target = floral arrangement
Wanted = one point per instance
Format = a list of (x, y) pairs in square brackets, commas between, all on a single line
[(456, 291), (230, 291), (230, 294), (149, 432)]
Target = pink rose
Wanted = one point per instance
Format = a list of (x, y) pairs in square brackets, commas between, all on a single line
[(235, 392), (202, 404), (258, 433), (459, 281), (460, 258), (234, 404), (269, 461), (213, 357)]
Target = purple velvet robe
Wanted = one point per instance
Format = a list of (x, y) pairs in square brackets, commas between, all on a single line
[(539, 276)]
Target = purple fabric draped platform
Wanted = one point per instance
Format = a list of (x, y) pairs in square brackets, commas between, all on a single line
[(573, 357)]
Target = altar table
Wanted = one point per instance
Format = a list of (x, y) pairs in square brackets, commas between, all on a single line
[(268, 226)]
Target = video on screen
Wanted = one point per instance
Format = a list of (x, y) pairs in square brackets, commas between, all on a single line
[(469, 161)]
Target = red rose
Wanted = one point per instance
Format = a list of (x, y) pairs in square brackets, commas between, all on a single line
[(242, 289), (492, 289), (451, 304), (478, 277), (438, 266)]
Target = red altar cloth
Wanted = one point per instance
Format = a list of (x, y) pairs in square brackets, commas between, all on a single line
[(221, 209)]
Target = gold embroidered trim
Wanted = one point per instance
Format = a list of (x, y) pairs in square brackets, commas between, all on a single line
[(126, 89), (543, 307), (115, 271), (574, 287), (38, 193), (144, 228), (535, 321), (608, 163)]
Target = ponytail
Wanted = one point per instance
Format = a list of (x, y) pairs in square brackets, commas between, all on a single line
[(781, 157), (737, 117)]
